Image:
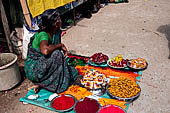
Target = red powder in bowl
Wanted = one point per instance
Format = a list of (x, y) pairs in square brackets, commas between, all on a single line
[(111, 109), (87, 106), (63, 102)]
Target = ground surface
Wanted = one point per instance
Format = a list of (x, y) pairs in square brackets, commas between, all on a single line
[(140, 28)]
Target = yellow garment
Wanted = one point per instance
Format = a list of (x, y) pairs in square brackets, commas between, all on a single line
[(37, 7)]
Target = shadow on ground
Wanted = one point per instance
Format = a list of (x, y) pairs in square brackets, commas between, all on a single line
[(165, 29)]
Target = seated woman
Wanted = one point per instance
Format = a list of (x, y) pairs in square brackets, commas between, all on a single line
[(46, 64)]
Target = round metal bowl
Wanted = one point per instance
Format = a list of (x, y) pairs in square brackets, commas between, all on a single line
[(82, 100), (65, 109), (136, 69), (128, 100)]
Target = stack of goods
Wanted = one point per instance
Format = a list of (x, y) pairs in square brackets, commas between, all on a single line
[(99, 58), (63, 102), (118, 62), (77, 91), (138, 63), (106, 101), (94, 80), (87, 105), (123, 88)]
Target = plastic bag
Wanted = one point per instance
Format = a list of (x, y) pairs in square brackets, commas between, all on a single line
[(26, 40)]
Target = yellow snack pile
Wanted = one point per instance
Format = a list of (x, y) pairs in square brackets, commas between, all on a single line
[(123, 87)]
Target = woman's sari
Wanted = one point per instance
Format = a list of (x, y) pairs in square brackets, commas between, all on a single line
[(50, 72)]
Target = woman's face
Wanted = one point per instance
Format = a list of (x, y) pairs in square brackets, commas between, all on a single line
[(58, 23), (56, 26)]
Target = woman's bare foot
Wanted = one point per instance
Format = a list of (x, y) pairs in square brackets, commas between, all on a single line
[(36, 88)]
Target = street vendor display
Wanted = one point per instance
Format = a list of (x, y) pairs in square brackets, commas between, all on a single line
[(120, 88)]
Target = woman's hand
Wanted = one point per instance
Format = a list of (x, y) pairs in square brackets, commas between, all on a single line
[(64, 50)]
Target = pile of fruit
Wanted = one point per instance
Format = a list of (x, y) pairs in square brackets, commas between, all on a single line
[(138, 63), (118, 61), (99, 58), (123, 87)]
